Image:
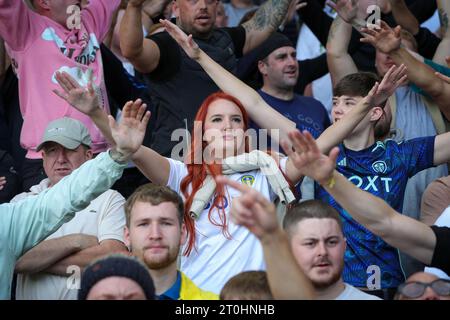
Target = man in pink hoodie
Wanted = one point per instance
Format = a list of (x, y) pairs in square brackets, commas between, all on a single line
[(56, 35)]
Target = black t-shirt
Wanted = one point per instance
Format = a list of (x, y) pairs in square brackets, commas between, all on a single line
[(441, 255), (170, 52)]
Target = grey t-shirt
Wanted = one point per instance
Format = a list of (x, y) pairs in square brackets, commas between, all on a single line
[(351, 293), (413, 120)]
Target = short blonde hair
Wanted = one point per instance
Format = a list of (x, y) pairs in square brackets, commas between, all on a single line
[(247, 285)]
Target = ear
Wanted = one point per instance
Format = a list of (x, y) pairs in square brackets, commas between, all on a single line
[(262, 67), (376, 113), (44, 4), (175, 9), (183, 237), (126, 237), (89, 154)]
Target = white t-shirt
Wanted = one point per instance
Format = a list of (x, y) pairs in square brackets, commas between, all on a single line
[(103, 218), (215, 258), (442, 221), (352, 293)]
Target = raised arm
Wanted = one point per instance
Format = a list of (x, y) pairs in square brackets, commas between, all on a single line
[(338, 131), (84, 100), (37, 217), (443, 50), (340, 63), (258, 110), (388, 40), (142, 53), (152, 165), (404, 17), (15, 25), (410, 236), (253, 211), (266, 20)]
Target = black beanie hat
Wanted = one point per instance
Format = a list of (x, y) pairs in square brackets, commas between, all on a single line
[(117, 265), (275, 41)]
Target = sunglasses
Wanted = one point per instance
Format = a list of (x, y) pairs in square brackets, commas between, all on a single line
[(415, 289)]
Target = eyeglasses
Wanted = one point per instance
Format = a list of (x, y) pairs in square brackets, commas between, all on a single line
[(415, 289)]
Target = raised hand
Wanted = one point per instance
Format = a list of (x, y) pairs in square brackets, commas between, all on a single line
[(294, 6), (186, 42), (129, 133), (394, 78), (84, 100), (346, 9), (384, 38), (252, 210), (308, 159), (153, 8)]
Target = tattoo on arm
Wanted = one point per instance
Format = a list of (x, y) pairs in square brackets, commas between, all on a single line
[(443, 17), (269, 15)]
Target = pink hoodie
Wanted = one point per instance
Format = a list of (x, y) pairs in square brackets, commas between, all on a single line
[(39, 47)]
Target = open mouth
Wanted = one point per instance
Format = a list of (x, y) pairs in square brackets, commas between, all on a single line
[(203, 19)]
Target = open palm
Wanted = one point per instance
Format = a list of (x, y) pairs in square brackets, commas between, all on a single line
[(84, 100), (383, 38), (184, 41), (130, 131)]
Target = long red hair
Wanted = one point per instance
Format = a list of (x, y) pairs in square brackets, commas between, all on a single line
[(197, 172)]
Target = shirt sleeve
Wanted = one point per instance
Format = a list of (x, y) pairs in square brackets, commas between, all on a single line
[(178, 171), (441, 256), (238, 37), (169, 57), (16, 24), (112, 220), (35, 218), (99, 14), (417, 154)]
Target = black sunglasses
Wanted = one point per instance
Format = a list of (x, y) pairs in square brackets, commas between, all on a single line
[(415, 289)]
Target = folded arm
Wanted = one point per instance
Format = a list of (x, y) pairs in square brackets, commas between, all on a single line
[(84, 257), (48, 252)]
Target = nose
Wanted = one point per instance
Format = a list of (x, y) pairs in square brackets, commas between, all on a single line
[(227, 123), (430, 295), (62, 156), (155, 231), (321, 249), (291, 60), (337, 108), (202, 4)]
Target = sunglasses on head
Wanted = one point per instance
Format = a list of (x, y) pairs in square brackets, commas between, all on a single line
[(415, 289)]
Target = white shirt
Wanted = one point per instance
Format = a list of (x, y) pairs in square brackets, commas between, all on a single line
[(442, 221), (351, 293), (215, 258), (103, 218)]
